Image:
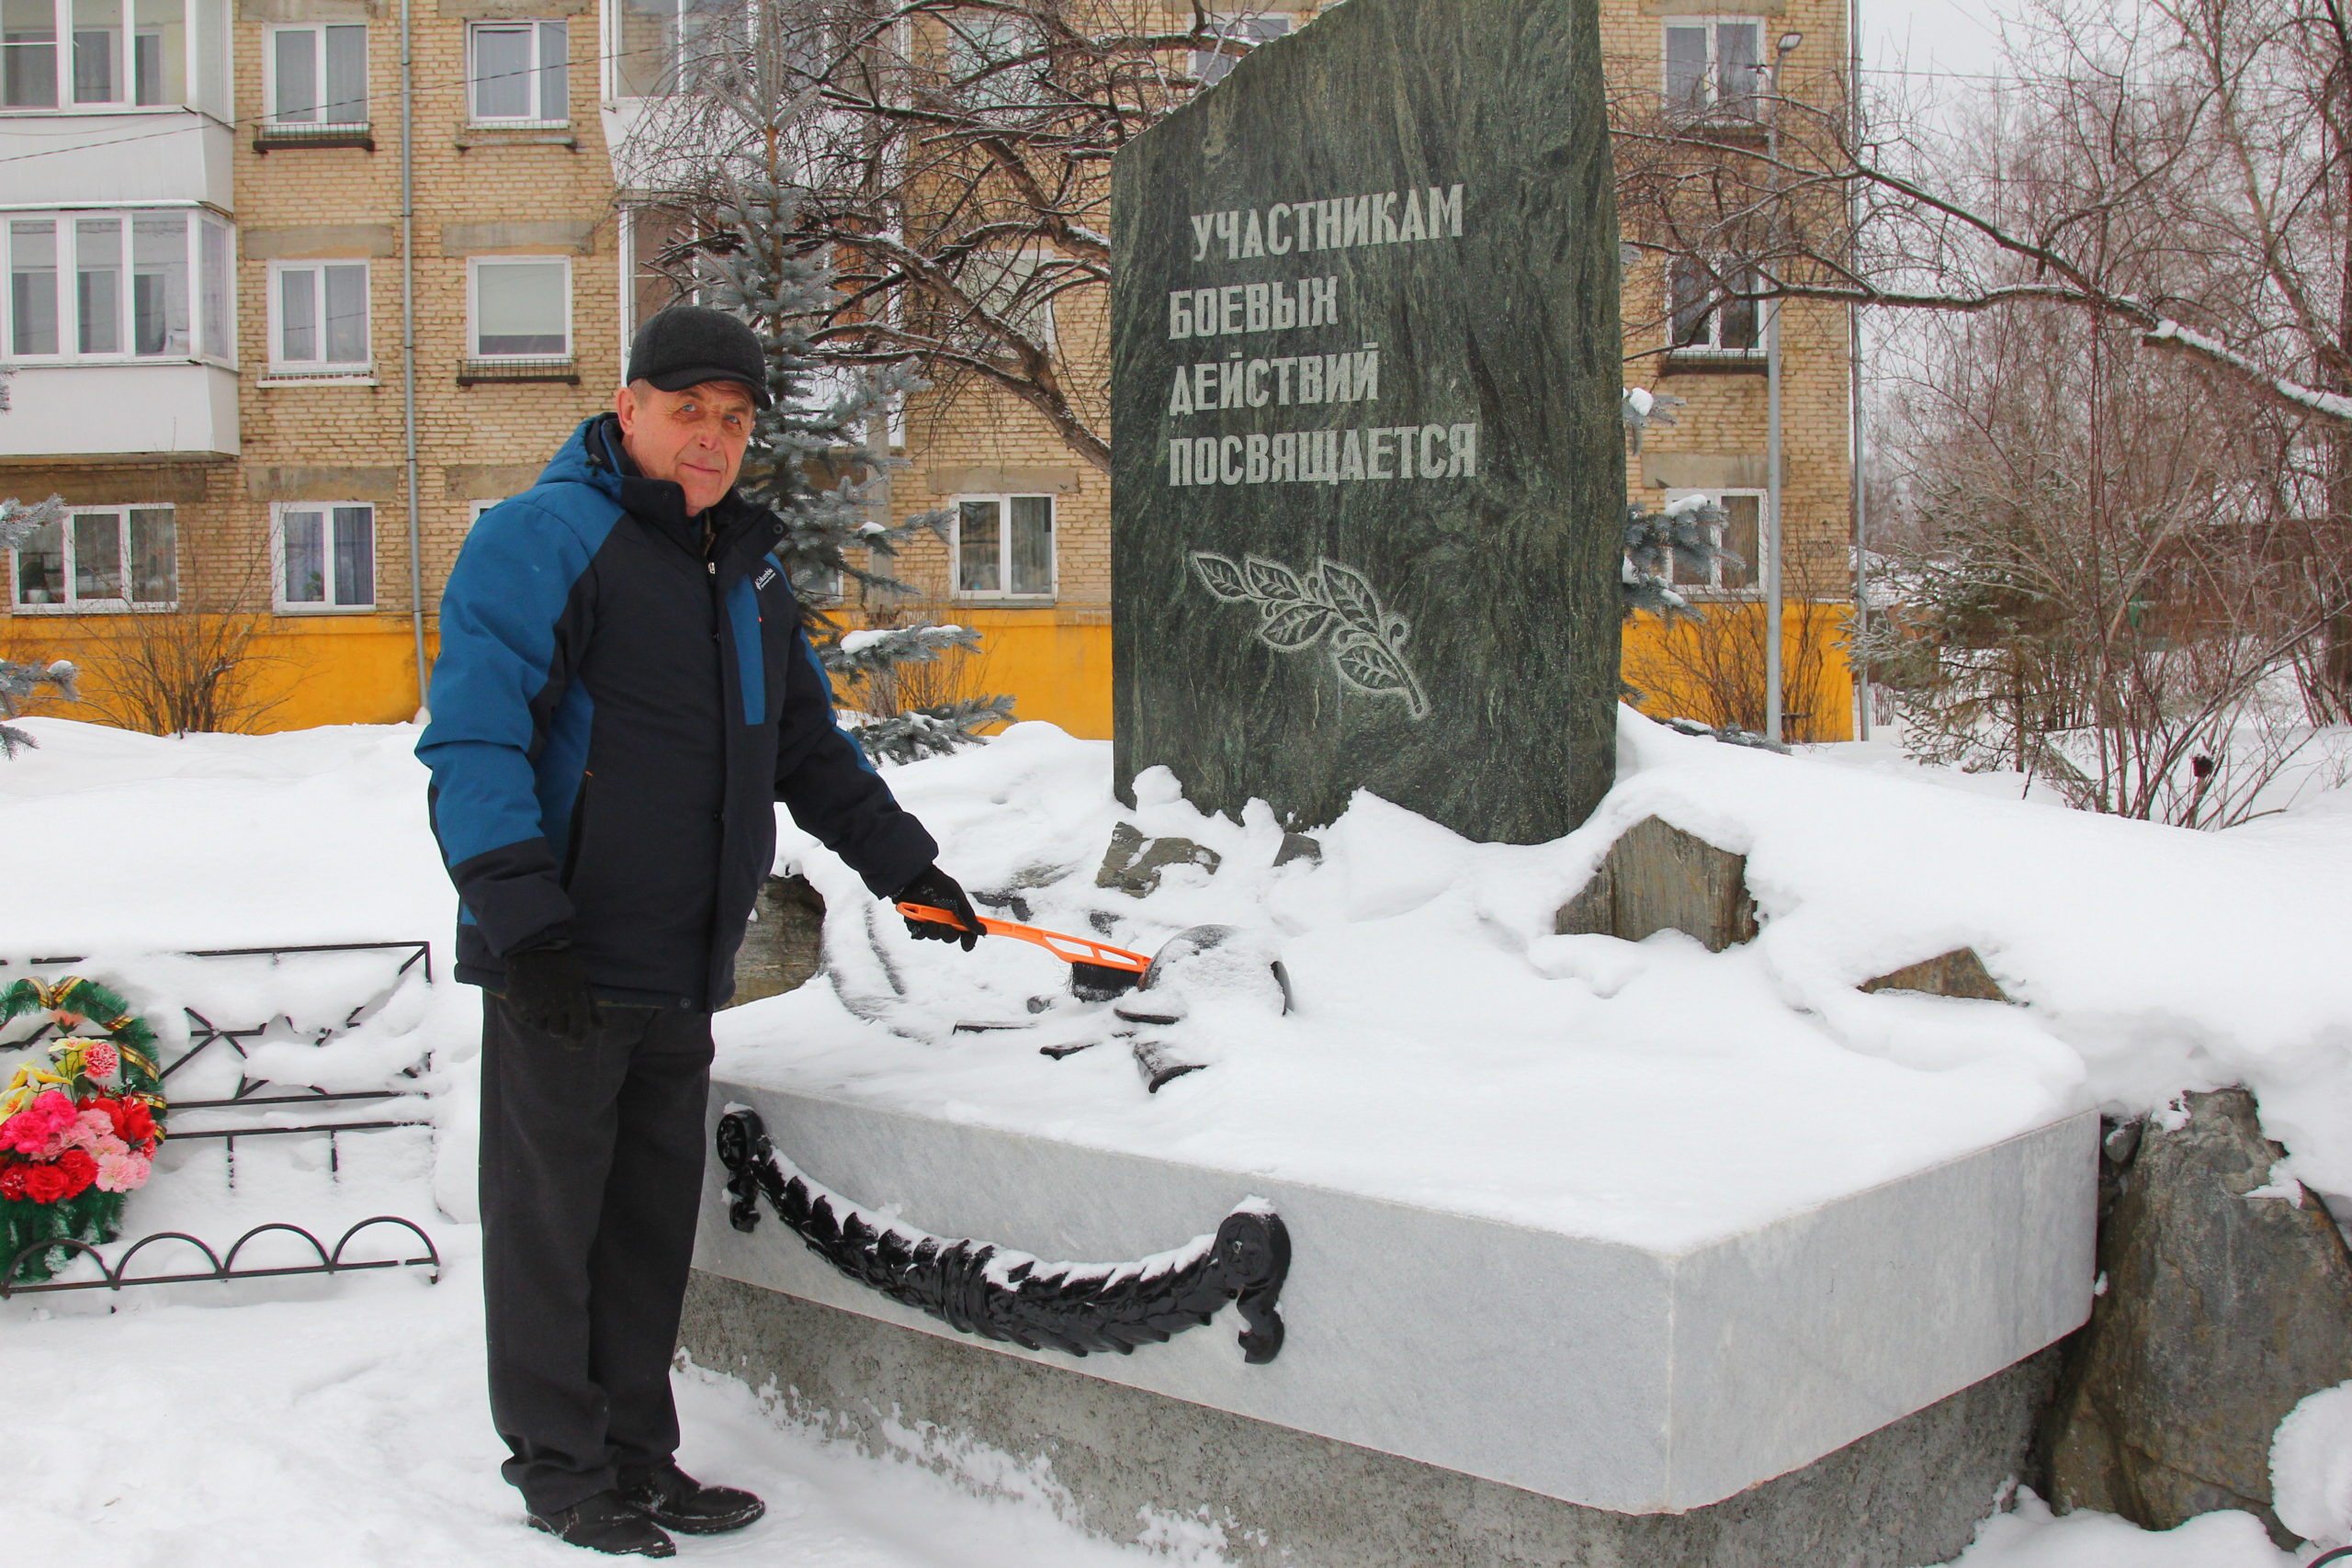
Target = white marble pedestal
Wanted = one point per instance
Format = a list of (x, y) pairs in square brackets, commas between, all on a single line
[(1600, 1375)]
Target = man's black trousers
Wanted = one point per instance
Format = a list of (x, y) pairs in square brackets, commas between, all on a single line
[(591, 1174)]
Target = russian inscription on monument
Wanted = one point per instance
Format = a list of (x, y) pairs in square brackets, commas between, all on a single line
[(1368, 476)]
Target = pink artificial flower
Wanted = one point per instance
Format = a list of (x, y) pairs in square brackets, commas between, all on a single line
[(100, 1060), (122, 1172), (84, 1130), (33, 1128)]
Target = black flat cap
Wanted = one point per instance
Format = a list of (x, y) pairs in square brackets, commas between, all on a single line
[(688, 344)]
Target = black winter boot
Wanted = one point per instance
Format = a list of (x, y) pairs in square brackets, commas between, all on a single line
[(677, 1501), (604, 1523)]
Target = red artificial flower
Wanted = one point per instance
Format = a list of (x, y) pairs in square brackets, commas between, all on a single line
[(12, 1181), (133, 1122), (45, 1183), (79, 1169)]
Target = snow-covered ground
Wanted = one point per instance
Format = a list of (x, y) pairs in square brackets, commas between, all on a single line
[(343, 1421)]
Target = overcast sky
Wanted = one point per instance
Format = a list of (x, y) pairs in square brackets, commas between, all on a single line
[(1954, 38)]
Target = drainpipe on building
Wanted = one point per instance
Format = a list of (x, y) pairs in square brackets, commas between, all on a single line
[(1854, 393), (408, 344)]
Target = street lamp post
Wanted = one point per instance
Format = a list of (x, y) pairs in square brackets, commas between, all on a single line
[(1773, 701)]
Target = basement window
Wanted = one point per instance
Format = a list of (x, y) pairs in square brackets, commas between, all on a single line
[(322, 556), (100, 558), (1005, 547), (1743, 536)]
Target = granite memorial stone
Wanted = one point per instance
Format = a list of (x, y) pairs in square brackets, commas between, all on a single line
[(1368, 476)]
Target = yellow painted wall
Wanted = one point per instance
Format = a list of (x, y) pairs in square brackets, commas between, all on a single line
[(305, 671), (1055, 662), (1660, 657)]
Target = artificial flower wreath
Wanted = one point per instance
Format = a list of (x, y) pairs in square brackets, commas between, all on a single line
[(78, 1135)]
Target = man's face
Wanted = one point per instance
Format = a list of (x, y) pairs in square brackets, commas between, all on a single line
[(695, 438)]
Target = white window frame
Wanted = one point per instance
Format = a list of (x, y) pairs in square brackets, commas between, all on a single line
[(1713, 347), (209, 342), (1018, 269), (474, 266), (321, 369), (1713, 110), (1713, 587), (121, 604), (322, 125), (1235, 24), (1004, 549), (279, 513), (675, 74), (534, 26), (195, 18)]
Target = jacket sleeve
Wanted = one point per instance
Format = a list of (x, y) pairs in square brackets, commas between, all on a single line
[(511, 619), (833, 792)]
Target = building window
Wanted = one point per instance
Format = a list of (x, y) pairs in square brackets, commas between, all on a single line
[(1211, 67), (324, 555), (115, 285), (101, 558), (116, 53), (665, 46), (518, 73), (1707, 318), (1712, 66), (318, 318), (521, 308), (318, 76), (1005, 547), (661, 264), (1742, 536), (1017, 288)]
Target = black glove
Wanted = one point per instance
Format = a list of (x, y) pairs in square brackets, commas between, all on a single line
[(935, 889), (547, 990)]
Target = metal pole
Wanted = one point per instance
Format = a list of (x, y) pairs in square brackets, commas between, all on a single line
[(1774, 721), (408, 346), (1854, 359), (1772, 697)]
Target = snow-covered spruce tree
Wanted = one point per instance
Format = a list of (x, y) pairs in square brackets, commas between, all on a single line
[(819, 459), (1689, 532), (18, 523)]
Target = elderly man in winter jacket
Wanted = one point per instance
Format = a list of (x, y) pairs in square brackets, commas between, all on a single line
[(623, 694)]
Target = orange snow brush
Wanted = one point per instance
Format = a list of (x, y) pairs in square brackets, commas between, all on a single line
[(1098, 971)]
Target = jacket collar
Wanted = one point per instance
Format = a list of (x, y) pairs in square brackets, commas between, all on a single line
[(733, 532)]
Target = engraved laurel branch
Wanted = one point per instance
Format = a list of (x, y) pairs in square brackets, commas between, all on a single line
[(1294, 609)]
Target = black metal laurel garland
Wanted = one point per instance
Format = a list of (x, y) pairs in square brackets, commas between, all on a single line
[(977, 1288)]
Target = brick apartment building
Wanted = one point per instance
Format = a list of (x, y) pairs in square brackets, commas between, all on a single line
[(293, 283)]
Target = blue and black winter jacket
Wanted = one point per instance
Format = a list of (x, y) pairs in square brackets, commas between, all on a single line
[(622, 696)]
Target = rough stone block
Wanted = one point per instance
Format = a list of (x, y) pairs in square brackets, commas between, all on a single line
[(2224, 1309), (1959, 972), (1133, 863), (784, 946), (1656, 877)]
